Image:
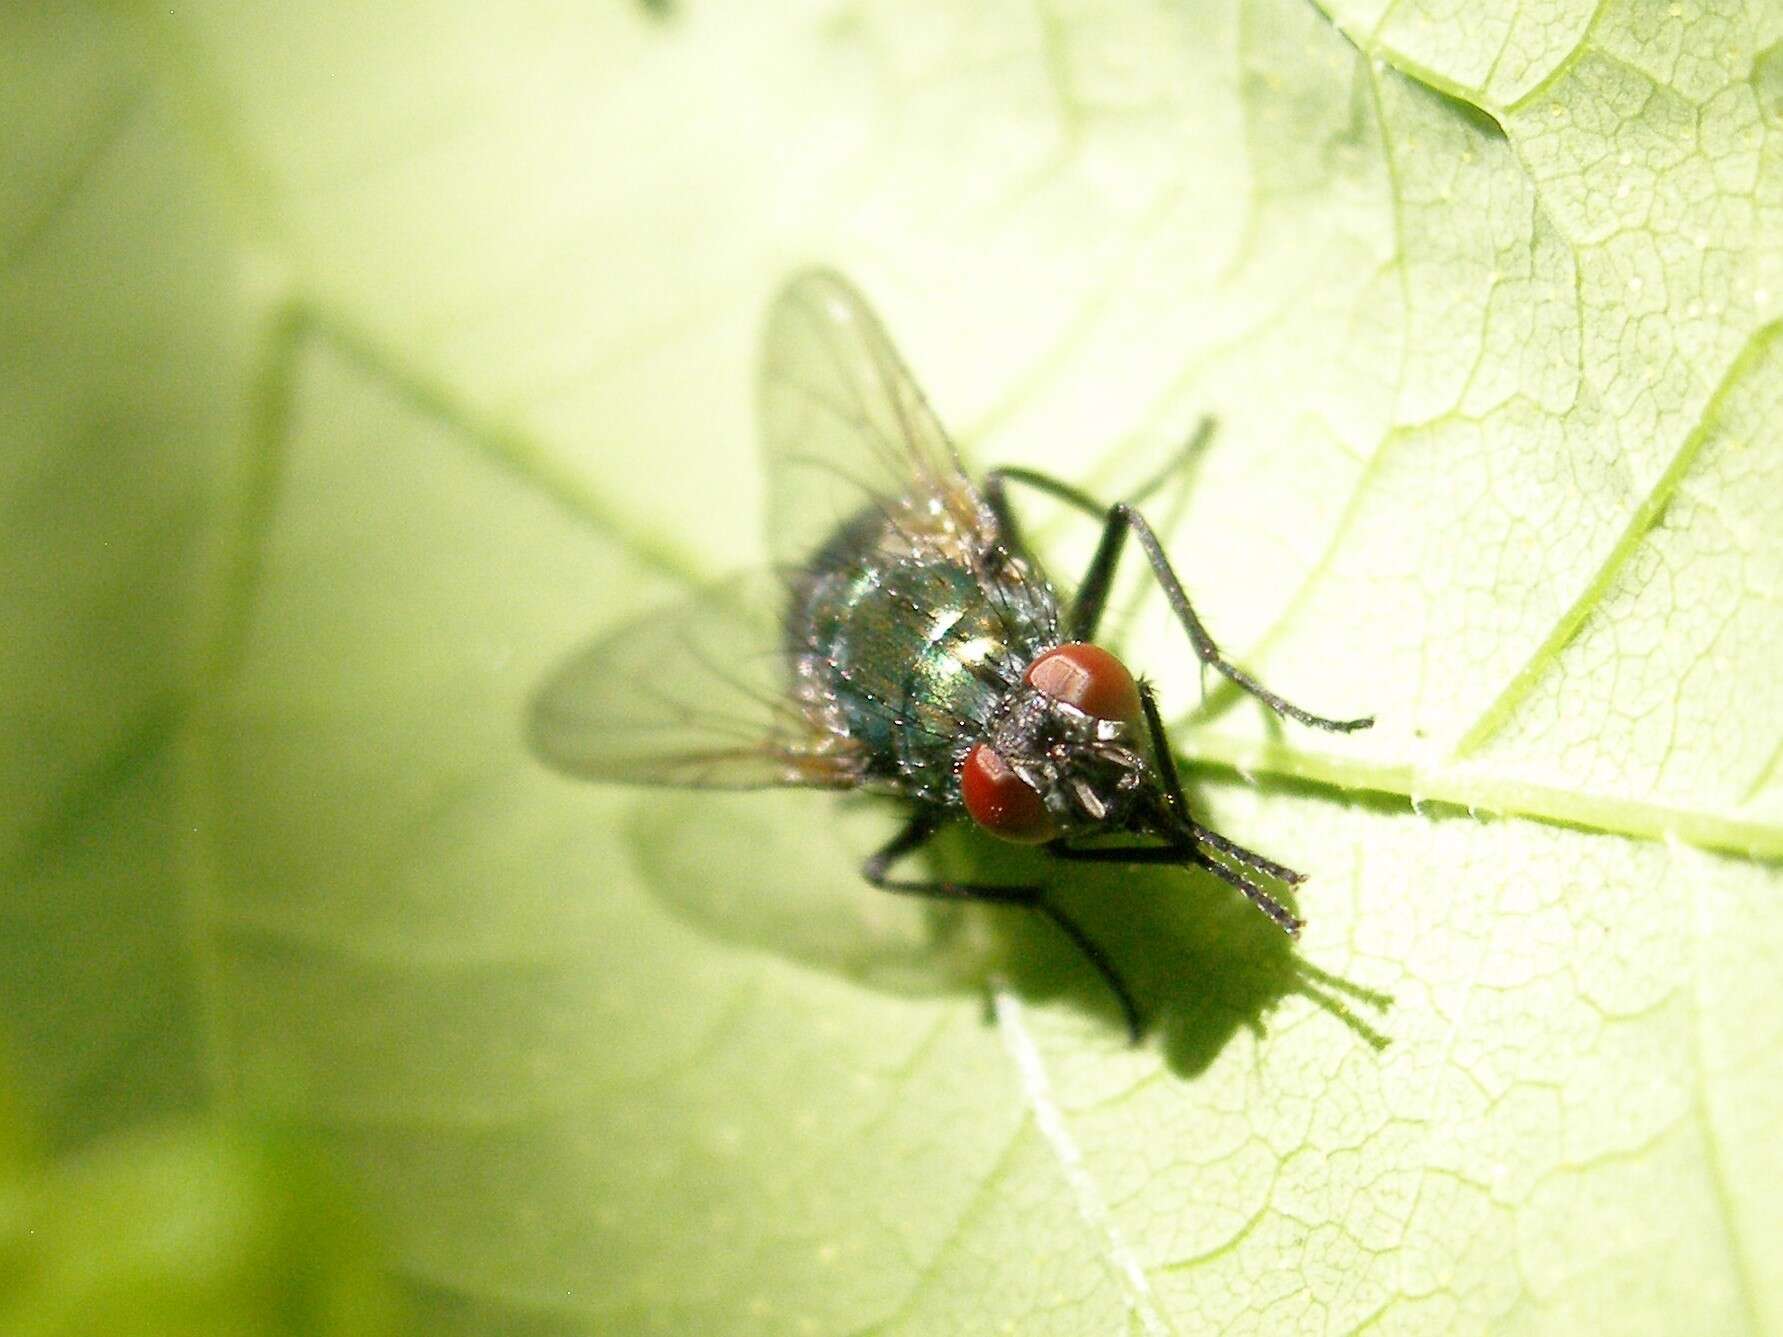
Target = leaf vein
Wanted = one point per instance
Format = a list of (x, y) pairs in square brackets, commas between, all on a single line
[(1640, 523)]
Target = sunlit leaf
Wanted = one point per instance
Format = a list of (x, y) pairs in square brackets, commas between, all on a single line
[(361, 361)]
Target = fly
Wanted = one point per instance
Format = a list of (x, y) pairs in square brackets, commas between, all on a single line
[(908, 643)]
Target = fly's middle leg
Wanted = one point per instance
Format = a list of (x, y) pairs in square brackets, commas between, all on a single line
[(917, 832)]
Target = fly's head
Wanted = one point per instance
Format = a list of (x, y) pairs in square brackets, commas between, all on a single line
[(1068, 756)]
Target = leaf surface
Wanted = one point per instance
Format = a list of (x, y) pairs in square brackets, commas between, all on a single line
[(359, 363)]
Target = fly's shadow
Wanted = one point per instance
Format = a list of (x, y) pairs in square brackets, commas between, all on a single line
[(1201, 963)]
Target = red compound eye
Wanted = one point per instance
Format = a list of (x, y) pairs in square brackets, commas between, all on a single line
[(1002, 802), (1088, 677)]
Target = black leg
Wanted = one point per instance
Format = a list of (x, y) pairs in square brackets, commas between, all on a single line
[(1092, 593), (1131, 854), (1245, 855), (1125, 516), (1185, 853), (1283, 918), (1161, 755), (997, 495), (1279, 914), (1172, 785), (1178, 462), (917, 831)]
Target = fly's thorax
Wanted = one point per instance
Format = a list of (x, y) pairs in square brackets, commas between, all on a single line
[(904, 649)]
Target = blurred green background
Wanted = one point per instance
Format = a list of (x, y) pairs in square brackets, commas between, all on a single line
[(358, 362)]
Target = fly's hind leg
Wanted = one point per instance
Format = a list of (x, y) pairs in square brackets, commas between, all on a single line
[(917, 832)]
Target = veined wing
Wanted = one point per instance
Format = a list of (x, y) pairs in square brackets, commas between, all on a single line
[(694, 695), (844, 426)]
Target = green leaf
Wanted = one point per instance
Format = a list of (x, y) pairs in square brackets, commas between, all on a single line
[(188, 1232), (359, 362)]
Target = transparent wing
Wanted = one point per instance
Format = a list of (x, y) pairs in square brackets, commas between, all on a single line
[(695, 695), (844, 426)]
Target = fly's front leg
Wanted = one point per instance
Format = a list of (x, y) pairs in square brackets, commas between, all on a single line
[(1185, 835), (1122, 517), (1092, 594), (919, 830), (1172, 785), (1161, 754), (1181, 855)]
